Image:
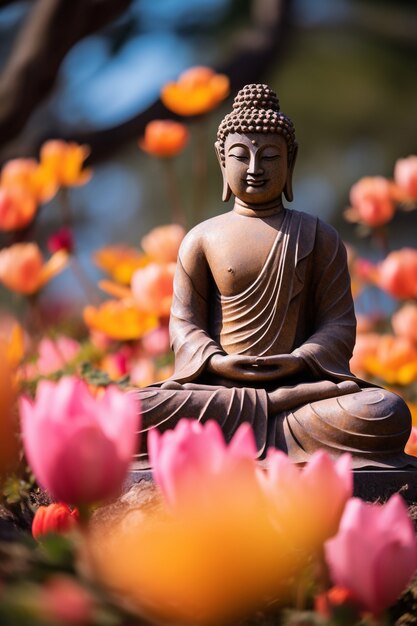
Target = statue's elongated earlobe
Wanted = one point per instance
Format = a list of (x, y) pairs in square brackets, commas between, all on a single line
[(227, 192), (288, 183)]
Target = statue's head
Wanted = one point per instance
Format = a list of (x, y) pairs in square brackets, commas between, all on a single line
[(256, 148)]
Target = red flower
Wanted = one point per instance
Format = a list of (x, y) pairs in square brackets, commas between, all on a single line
[(55, 518)]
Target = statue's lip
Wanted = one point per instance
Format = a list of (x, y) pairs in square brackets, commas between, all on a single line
[(255, 182)]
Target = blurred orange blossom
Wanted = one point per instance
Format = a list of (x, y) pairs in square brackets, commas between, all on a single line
[(198, 90), (120, 262), (29, 176), (63, 162), (152, 288), (9, 441), (17, 208), (394, 360), (164, 138), (404, 321), (119, 319), (22, 268)]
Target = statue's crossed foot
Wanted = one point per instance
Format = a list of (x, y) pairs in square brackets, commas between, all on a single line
[(295, 395)]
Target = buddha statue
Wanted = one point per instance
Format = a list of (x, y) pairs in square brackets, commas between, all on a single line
[(262, 322)]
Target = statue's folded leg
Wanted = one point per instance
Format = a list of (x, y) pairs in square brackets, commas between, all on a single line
[(372, 424), (162, 408)]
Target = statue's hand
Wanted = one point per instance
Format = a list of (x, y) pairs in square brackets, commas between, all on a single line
[(253, 369), (284, 365)]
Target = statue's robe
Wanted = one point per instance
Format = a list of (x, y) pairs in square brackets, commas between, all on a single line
[(300, 303)]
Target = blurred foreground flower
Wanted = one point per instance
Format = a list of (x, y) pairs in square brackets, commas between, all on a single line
[(405, 175), (198, 90), (120, 320), (79, 446), (54, 518), (164, 138), (397, 273), (374, 554), (63, 600), (211, 553), (162, 243), (22, 268), (317, 493), (372, 201), (153, 287), (63, 162)]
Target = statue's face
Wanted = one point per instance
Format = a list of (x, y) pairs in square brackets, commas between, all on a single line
[(256, 166)]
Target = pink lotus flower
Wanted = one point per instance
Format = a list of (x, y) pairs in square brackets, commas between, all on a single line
[(372, 201), (192, 463), (152, 288), (405, 175), (315, 494), (156, 342), (404, 322), (79, 446), (397, 274), (374, 554)]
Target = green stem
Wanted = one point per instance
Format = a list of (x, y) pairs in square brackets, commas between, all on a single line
[(173, 193), (200, 169)]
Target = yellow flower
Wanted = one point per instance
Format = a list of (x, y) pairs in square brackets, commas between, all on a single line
[(120, 262), (198, 90), (63, 162), (394, 360), (22, 268), (119, 319)]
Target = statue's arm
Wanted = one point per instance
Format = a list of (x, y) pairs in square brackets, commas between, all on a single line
[(329, 348)]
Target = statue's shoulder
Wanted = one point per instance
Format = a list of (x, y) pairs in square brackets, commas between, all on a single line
[(322, 230), (202, 234)]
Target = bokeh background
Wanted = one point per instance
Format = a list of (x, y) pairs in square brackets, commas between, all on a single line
[(91, 71)]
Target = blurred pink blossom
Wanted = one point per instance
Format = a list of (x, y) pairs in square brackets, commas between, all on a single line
[(192, 463), (62, 239), (372, 201), (374, 554), (317, 492), (162, 243), (156, 342), (404, 321), (79, 446), (405, 175), (397, 273)]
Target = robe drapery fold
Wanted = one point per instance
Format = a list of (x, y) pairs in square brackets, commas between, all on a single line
[(300, 303)]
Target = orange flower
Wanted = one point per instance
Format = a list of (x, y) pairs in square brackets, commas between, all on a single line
[(394, 361), (120, 262), (29, 176), (17, 208), (23, 270), (372, 201), (164, 138), (366, 346), (397, 274), (63, 162), (162, 243), (152, 288), (405, 175), (119, 319), (198, 90)]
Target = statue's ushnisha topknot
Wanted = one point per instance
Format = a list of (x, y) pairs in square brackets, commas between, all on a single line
[(256, 110)]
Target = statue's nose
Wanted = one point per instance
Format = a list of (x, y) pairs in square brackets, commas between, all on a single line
[(254, 165)]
